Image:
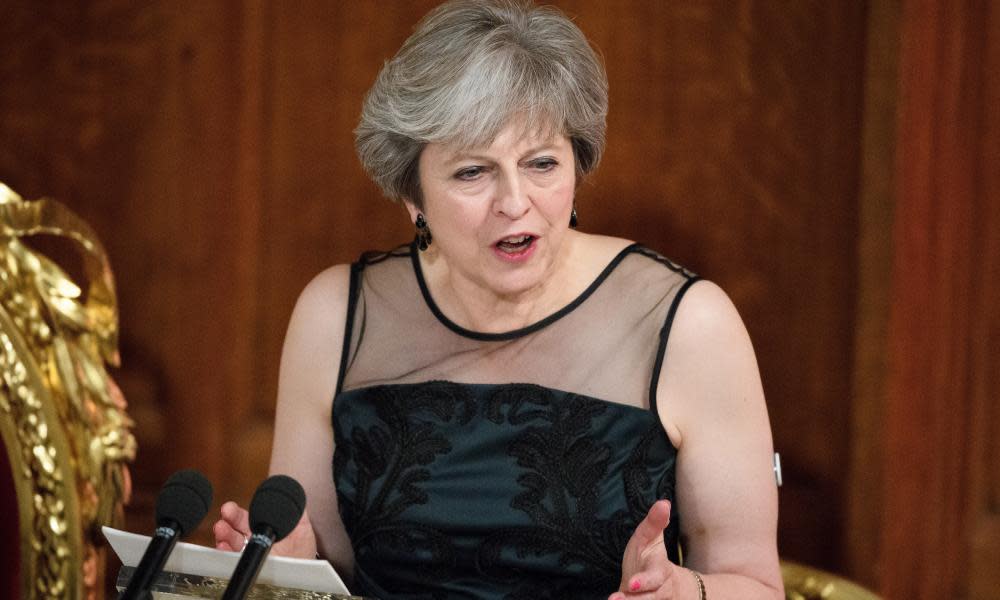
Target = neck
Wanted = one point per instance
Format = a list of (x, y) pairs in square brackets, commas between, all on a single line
[(472, 305)]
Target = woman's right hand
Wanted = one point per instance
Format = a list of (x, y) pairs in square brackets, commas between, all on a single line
[(233, 529)]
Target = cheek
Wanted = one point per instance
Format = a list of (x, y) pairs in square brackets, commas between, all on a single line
[(561, 197), (459, 222)]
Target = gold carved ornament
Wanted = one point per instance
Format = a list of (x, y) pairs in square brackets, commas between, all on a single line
[(808, 583), (62, 418)]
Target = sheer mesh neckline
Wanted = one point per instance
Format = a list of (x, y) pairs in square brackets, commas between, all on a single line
[(515, 333), (487, 387)]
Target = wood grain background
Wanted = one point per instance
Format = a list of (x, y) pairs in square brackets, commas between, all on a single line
[(817, 159)]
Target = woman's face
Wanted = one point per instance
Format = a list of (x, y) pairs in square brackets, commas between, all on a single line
[(499, 214)]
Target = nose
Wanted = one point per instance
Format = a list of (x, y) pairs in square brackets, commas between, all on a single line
[(512, 199)]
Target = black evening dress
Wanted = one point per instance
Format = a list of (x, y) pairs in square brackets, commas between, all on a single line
[(501, 465)]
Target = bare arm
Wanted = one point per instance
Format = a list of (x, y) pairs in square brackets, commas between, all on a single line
[(303, 435), (303, 432), (712, 404)]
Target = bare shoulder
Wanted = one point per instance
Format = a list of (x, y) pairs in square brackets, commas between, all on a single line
[(307, 377), (325, 293), (311, 354), (706, 318), (710, 370), (321, 309), (596, 251), (602, 244)]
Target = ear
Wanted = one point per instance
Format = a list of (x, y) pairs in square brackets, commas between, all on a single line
[(412, 209)]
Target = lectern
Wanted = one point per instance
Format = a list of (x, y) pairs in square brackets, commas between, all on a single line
[(187, 587)]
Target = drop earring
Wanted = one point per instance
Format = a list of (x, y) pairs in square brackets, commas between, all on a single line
[(572, 218), (424, 237)]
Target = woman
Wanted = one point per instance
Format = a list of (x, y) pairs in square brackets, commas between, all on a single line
[(520, 409)]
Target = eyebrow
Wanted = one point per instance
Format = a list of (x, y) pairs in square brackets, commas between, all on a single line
[(460, 155)]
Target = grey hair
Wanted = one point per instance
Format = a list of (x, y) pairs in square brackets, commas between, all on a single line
[(468, 68)]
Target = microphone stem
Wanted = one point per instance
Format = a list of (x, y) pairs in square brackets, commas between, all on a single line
[(249, 565), (157, 552)]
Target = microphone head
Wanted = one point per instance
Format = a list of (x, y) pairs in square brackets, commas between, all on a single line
[(279, 503), (184, 500)]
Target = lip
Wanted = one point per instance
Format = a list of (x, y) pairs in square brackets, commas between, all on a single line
[(519, 256)]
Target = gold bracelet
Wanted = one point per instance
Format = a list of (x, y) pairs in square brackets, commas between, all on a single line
[(701, 585)]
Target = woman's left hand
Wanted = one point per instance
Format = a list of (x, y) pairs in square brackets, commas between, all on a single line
[(646, 570)]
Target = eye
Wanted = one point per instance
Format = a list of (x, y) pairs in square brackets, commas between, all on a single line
[(469, 173), (544, 164)]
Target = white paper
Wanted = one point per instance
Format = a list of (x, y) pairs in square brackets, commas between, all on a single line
[(192, 559)]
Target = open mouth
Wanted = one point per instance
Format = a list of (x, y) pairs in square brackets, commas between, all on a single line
[(515, 244)]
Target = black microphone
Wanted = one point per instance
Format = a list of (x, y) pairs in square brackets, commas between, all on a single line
[(275, 510), (182, 504)]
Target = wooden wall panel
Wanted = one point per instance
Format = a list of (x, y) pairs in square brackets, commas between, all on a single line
[(135, 116), (211, 146), (320, 208), (181, 282), (983, 511), (874, 266), (940, 518), (76, 87)]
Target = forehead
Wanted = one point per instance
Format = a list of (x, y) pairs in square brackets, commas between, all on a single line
[(514, 139)]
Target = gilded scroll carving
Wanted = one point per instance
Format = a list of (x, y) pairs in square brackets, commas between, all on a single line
[(63, 418)]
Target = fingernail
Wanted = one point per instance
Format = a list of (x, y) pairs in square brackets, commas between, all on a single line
[(635, 585)]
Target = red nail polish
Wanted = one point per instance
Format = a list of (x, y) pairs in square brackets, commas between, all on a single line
[(635, 586)]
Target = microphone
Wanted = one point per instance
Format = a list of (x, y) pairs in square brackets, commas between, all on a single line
[(182, 504), (275, 510)]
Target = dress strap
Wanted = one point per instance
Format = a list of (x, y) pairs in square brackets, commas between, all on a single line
[(352, 304), (661, 350)]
